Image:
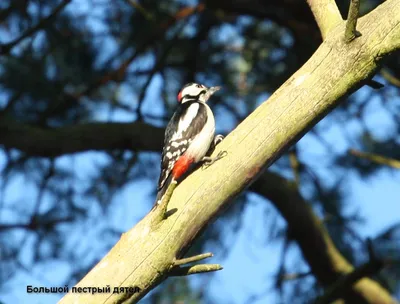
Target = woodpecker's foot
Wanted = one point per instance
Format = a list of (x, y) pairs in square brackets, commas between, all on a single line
[(217, 139), (208, 161)]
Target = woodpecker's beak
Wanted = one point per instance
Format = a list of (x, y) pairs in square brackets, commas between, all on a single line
[(209, 92), (212, 90)]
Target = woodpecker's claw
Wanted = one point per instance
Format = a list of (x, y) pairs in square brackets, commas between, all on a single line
[(208, 161), (218, 139)]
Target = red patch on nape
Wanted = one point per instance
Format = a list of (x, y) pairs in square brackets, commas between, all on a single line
[(181, 166), (180, 96)]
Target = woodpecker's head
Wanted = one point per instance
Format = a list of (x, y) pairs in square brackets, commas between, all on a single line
[(196, 91)]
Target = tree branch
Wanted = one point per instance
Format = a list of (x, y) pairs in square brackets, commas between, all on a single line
[(390, 77), (153, 36), (202, 268), (53, 142), (346, 283), (6, 48), (351, 23), (143, 257), (318, 249), (36, 224), (326, 14), (394, 163), (192, 259)]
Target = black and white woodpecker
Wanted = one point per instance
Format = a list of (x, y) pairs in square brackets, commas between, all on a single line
[(189, 136)]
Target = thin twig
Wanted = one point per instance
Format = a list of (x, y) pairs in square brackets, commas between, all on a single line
[(351, 24), (192, 259), (6, 48), (294, 276), (379, 159), (160, 210), (390, 77), (39, 200), (184, 271), (295, 164), (160, 60), (36, 225), (141, 9), (376, 85), (119, 72), (11, 102)]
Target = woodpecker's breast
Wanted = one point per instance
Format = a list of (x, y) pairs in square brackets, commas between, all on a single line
[(201, 142)]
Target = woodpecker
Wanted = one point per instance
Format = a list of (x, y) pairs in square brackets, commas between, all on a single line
[(189, 136)]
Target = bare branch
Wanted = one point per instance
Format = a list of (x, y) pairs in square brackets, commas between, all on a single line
[(327, 15), (192, 259), (328, 265), (295, 164), (51, 142), (390, 77), (343, 285), (159, 64), (294, 276), (351, 23), (6, 48), (184, 271), (119, 72), (160, 213), (141, 9), (35, 224), (374, 84), (379, 159)]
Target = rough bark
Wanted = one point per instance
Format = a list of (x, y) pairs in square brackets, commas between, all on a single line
[(145, 255)]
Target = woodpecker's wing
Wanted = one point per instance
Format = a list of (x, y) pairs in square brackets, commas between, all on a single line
[(185, 124)]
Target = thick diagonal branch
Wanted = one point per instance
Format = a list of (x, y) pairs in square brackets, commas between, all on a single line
[(143, 257)]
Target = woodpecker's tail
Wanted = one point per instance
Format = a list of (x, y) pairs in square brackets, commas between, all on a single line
[(161, 192)]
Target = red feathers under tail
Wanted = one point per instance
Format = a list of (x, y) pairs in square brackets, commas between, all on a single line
[(181, 166)]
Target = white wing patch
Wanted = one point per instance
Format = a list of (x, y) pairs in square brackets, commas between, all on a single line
[(176, 144), (185, 121)]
